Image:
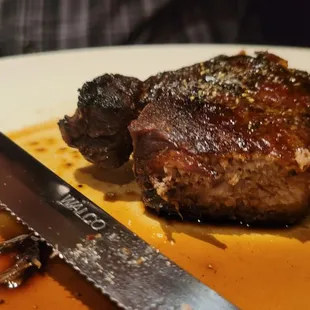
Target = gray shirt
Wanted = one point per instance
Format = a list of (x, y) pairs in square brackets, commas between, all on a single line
[(41, 25)]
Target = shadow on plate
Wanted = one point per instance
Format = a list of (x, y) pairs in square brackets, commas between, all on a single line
[(121, 176), (206, 232), (117, 184), (102, 180)]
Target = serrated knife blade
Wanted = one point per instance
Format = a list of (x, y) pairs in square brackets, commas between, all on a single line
[(119, 263)]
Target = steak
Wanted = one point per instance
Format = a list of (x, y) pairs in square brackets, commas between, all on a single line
[(225, 139), (98, 128)]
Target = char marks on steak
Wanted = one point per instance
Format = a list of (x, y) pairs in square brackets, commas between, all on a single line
[(98, 129), (227, 138)]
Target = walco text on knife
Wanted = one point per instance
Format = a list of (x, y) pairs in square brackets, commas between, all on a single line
[(80, 210)]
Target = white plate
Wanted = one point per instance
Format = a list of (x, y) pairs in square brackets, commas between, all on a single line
[(39, 87)]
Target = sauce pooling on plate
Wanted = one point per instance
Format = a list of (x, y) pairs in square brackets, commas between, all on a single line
[(253, 268)]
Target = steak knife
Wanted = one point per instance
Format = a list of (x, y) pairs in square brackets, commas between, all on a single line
[(123, 266)]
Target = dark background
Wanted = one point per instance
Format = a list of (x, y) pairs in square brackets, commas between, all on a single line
[(126, 22)]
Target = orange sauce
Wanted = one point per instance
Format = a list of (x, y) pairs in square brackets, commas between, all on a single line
[(255, 269)]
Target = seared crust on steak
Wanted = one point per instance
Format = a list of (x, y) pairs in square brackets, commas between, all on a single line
[(228, 138), (98, 129)]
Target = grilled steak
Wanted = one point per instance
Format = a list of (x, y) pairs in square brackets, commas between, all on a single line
[(98, 129), (228, 138)]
